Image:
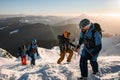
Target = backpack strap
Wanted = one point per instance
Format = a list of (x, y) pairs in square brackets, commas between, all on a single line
[(97, 27), (93, 33)]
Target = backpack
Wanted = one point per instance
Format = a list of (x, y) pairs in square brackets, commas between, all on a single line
[(32, 48), (88, 41), (62, 42), (22, 49), (98, 28)]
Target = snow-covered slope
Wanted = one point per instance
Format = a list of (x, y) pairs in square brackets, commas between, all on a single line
[(111, 46), (5, 57), (5, 54), (46, 67)]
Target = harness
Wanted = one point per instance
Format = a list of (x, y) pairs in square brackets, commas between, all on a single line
[(90, 42)]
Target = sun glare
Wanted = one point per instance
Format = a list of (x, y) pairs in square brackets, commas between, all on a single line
[(112, 14)]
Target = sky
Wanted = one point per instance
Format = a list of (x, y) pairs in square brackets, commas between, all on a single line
[(60, 7)]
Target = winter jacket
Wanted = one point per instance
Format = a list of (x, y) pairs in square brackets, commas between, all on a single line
[(64, 43), (32, 50), (92, 44), (21, 51)]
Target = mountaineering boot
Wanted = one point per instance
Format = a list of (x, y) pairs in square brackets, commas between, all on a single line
[(82, 78)]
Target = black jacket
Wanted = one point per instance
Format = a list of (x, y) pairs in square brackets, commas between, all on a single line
[(64, 43)]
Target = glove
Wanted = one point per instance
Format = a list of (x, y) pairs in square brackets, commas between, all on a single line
[(78, 46)]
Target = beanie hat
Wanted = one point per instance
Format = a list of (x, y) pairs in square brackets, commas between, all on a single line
[(34, 41), (66, 33)]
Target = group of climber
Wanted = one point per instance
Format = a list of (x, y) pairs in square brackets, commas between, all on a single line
[(90, 36), (30, 50)]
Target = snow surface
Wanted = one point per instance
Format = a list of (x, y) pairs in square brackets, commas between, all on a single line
[(46, 67), (111, 46)]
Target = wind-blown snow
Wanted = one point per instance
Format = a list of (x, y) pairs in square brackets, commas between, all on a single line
[(14, 31), (46, 67)]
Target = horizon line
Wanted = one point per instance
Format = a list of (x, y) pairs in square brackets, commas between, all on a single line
[(65, 15)]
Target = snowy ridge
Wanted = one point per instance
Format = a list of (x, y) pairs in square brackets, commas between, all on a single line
[(4, 53), (47, 69), (5, 57), (111, 46)]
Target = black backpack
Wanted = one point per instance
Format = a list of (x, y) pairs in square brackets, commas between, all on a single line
[(98, 28), (21, 49)]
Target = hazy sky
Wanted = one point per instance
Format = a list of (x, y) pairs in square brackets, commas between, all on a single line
[(59, 7)]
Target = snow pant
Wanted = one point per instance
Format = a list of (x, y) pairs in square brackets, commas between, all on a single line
[(84, 67), (62, 55), (23, 59), (92, 56), (32, 59)]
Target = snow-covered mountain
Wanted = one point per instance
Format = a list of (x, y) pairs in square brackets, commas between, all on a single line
[(74, 20), (109, 24), (111, 46), (49, 20), (46, 67)]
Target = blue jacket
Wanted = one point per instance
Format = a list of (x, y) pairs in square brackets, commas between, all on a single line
[(32, 50), (92, 44)]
